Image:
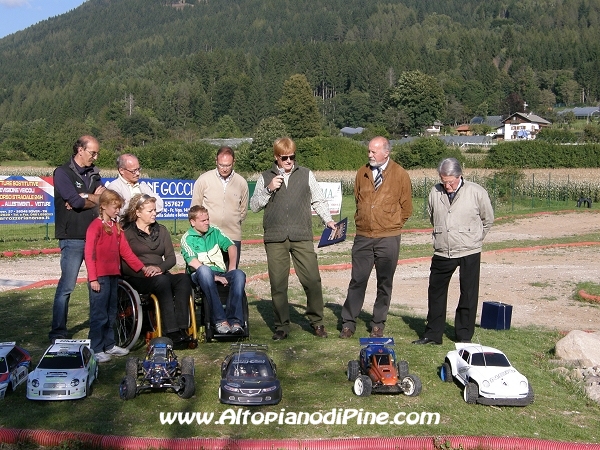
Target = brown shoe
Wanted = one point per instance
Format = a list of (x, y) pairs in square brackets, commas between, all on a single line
[(376, 332), (320, 331), (346, 333)]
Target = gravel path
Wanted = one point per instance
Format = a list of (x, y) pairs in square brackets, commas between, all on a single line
[(539, 283)]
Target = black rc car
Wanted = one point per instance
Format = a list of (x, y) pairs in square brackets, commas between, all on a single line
[(159, 370), (249, 377)]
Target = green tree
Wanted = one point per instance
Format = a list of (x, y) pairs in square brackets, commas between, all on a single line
[(298, 109), (420, 97), (259, 155), (226, 128)]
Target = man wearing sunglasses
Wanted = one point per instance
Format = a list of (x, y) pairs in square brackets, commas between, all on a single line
[(77, 189), (286, 192), (128, 183)]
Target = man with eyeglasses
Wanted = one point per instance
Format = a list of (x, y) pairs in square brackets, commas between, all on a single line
[(286, 192), (77, 189), (128, 183), (224, 193), (461, 214)]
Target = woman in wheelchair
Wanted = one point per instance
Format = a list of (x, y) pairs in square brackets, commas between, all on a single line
[(151, 242)]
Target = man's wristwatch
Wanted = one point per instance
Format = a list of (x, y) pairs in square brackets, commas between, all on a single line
[(269, 191), (85, 196)]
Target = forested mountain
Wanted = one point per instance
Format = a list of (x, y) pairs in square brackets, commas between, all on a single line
[(133, 71)]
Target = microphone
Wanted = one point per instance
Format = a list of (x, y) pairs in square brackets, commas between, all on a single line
[(281, 172)]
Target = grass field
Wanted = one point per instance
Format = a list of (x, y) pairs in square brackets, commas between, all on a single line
[(312, 373)]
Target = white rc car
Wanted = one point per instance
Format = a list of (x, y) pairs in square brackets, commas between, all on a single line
[(65, 372), (487, 376), (15, 364)]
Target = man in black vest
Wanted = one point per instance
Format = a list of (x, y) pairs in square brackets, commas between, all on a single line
[(287, 192), (77, 188)]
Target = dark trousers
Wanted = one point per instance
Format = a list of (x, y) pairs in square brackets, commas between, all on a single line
[(307, 268), (173, 292), (366, 253), (440, 274)]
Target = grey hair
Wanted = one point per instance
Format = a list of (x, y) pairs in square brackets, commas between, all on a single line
[(450, 167), (122, 158)]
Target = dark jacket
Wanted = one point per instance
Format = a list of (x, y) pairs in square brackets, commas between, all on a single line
[(288, 213), (154, 249), (73, 223)]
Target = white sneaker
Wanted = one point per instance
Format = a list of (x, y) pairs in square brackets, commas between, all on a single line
[(102, 357), (117, 351), (223, 328)]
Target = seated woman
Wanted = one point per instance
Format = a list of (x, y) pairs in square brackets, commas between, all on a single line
[(151, 242)]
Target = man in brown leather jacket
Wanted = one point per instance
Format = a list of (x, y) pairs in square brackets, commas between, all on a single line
[(383, 196)]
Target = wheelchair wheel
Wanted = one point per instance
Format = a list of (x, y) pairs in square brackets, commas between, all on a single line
[(128, 324)]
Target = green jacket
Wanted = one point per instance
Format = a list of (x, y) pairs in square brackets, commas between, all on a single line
[(207, 248)]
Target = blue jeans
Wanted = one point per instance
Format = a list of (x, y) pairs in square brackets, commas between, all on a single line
[(71, 258), (204, 277), (103, 311)]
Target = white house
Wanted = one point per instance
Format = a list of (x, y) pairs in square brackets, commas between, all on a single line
[(522, 125)]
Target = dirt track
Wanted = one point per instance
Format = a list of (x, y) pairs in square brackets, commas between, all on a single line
[(539, 283)]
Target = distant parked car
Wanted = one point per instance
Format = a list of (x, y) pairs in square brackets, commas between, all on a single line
[(160, 370), (249, 377), (15, 364), (65, 372), (487, 376), (377, 371)]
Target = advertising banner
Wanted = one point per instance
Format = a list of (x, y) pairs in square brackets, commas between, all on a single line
[(333, 195), (26, 200)]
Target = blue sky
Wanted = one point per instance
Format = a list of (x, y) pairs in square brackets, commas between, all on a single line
[(16, 15)]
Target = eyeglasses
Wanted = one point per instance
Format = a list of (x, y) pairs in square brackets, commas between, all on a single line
[(449, 182), (286, 157), (143, 199), (92, 154), (133, 171), (225, 166)]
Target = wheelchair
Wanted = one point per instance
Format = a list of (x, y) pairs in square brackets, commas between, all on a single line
[(141, 313), (208, 332)]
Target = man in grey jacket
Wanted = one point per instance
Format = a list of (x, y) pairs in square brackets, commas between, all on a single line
[(461, 214)]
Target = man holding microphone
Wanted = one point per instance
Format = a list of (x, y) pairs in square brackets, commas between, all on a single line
[(286, 192)]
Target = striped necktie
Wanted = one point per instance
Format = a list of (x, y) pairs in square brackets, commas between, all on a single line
[(378, 178)]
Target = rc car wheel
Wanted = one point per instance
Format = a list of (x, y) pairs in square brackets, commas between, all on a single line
[(131, 367), (446, 372), (128, 388), (530, 395), (353, 370), (363, 386), (411, 385), (161, 340), (88, 387), (470, 393), (187, 386), (187, 366), (402, 368)]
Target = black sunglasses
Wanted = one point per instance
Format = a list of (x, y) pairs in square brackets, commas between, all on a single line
[(286, 157)]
